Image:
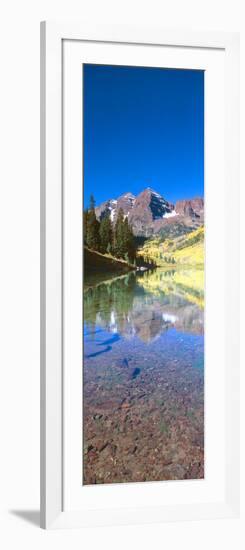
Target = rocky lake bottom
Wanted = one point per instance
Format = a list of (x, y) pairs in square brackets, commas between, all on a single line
[(143, 378)]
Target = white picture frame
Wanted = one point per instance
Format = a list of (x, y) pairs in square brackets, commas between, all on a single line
[(53, 512)]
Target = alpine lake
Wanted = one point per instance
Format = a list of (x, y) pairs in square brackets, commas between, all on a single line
[(143, 376)]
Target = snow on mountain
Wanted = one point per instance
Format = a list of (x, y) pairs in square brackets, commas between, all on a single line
[(170, 214)]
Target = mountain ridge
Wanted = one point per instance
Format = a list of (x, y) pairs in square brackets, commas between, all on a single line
[(149, 213)]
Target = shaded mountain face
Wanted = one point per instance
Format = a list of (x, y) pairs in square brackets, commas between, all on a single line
[(149, 213), (148, 207)]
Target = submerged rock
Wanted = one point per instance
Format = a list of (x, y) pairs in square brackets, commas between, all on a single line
[(135, 373)]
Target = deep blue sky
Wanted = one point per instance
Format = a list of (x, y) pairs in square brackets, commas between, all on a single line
[(143, 127)]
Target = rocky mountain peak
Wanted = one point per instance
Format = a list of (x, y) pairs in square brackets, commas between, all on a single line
[(149, 211), (192, 207), (156, 204), (127, 196)]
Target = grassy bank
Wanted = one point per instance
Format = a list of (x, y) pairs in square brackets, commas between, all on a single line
[(95, 263)]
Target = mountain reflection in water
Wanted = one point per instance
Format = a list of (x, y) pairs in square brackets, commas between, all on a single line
[(145, 305), (143, 377)]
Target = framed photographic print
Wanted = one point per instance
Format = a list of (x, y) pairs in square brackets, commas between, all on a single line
[(139, 275)]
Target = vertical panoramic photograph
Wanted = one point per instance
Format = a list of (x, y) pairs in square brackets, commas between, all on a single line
[(143, 284)]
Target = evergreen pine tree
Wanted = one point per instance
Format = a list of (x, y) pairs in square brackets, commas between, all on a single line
[(119, 237), (93, 226), (105, 234), (85, 222), (128, 241)]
